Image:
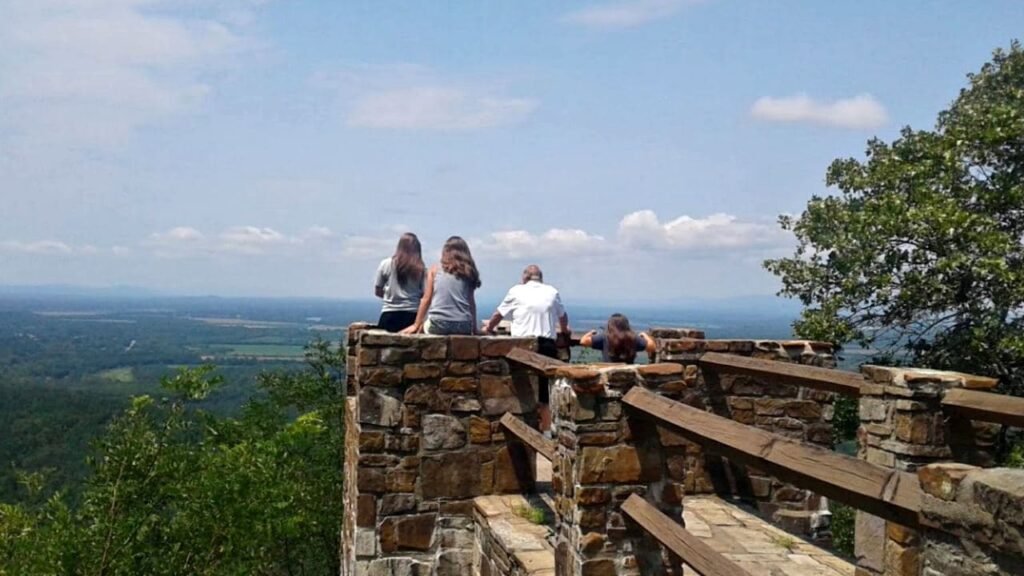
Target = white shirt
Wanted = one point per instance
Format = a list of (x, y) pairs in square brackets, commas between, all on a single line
[(534, 309)]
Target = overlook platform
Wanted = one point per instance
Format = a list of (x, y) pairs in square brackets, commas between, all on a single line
[(714, 459)]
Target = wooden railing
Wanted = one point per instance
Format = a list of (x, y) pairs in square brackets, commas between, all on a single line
[(826, 379), (977, 405), (689, 548), (889, 494), (528, 436)]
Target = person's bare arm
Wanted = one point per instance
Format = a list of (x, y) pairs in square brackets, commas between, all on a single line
[(587, 339), (493, 322), (563, 323), (421, 313), (651, 346), (378, 291)]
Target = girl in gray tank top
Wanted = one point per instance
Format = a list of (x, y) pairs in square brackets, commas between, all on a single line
[(449, 303)]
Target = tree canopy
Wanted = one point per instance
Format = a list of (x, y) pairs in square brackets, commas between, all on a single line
[(176, 490), (920, 254)]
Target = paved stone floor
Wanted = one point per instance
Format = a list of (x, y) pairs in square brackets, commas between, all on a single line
[(755, 545), (743, 537)]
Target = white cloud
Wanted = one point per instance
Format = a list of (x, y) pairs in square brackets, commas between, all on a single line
[(177, 234), (716, 232), (626, 14), (556, 242), (51, 248), (88, 74), (41, 247), (863, 111), (410, 97), (185, 241)]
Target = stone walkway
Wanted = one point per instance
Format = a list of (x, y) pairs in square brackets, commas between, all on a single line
[(755, 545)]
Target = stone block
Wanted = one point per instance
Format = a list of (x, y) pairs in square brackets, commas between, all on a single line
[(434, 349), (422, 371), (398, 356), (442, 432), (943, 480), (873, 409), (479, 430), (413, 532), (371, 441), (463, 384), (391, 504), (380, 376), (366, 511), (464, 347), (620, 464), (451, 475), (379, 408)]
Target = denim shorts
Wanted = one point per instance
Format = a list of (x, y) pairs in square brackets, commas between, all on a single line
[(446, 327)]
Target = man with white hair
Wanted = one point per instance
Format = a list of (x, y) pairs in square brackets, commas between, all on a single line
[(535, 310)]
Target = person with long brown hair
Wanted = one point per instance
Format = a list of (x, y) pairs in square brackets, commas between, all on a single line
[(399, 282), (448, 305), (618, 343)]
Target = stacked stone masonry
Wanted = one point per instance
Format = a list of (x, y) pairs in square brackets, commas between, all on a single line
[(422, 441), (973, 521), (792, 411), (903, 426), (431, 478)]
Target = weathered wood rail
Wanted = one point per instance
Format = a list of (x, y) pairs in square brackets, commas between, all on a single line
[(889, 494), (977, 405), (826, 379), (529, 436), (542, 364), (690, 549)]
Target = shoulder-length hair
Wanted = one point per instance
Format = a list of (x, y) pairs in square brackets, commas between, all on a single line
[(621, 339), (457, 260), (408, 259)]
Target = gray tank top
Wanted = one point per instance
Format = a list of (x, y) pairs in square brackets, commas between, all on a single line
[(451, 298)]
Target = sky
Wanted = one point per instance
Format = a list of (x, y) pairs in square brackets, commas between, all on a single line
[(638, 150)]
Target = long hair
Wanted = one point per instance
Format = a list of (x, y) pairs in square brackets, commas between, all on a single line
[(456, 260), (408, 259), (621, 339)]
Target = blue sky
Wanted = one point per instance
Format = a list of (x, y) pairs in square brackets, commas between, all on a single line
[(638, 150)]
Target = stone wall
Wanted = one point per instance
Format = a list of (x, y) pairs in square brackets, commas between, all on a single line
[(792, 411), (974, 521), (904, 427), (603, 457), (422, 441)]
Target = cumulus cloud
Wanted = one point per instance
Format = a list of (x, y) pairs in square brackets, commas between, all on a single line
[(88, 74), (185, 241), (50, 248), (410, 97), (715, 232), (556, 242), (859, 112), (626, 14)]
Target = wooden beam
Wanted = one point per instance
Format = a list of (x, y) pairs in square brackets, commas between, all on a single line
[(887, 493), (529, 436), (538, 362), (986, 406), (690, 549), (847, 383)]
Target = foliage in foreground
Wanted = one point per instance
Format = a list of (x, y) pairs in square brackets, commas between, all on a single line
[(921, 253), (175, 490)]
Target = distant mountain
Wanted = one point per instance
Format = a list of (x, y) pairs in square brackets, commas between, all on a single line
[(74, 291)]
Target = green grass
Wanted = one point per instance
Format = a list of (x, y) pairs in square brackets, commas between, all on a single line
[(534, 515), (265, 350), (123, 375)]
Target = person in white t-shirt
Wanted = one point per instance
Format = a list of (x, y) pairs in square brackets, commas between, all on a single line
[(535, 310)]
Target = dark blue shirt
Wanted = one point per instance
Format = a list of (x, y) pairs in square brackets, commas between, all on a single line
[(600, 342)]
